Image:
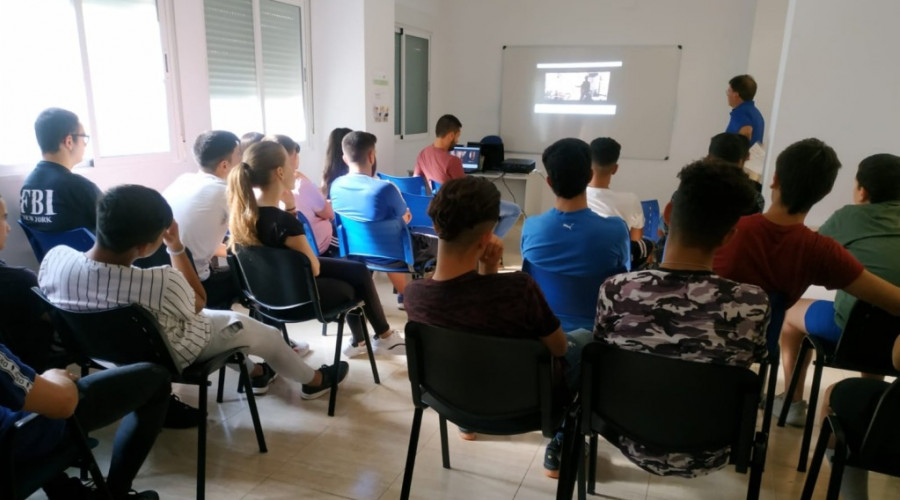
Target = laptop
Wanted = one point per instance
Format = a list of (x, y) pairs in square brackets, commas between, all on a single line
[(470, 156)]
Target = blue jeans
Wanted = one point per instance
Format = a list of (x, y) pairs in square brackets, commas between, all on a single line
[(509, 214), (577, 339)]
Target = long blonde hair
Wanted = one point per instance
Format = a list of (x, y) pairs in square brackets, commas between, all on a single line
[(259, 162)]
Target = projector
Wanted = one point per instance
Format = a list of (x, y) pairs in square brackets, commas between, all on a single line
[(517, 166)]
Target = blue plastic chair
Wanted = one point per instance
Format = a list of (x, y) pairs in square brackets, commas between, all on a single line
[(406, 185), (307, 228), (384, 245), (435, 186), (651, 219), (418, 207), (572, 298), (79, 238)]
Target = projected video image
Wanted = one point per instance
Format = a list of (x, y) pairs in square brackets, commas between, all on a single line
[(576, 86), (467, 155)]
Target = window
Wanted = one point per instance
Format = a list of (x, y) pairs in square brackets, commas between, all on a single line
[(411, 53), (255, 53), (102, 59)]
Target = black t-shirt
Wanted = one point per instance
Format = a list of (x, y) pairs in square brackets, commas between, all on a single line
[(54, 199), (274, 225)]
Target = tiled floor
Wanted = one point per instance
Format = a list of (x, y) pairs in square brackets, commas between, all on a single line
[(360, 452)]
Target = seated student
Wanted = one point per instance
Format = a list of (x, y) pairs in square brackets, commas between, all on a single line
[(334, 160), (132, 221), (467, 293), (201, 210), (735, 148), (436, 164), (570, 239), (137, 392), (266, 166), (870, 231), (684, 310), (53, 199), (307, 198), (362, 196)]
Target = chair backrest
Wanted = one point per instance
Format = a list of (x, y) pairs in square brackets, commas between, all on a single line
[(492, 152), (435, 186), (385, 239), (867, 341), (701, 406), (411, 185), (489, 384), (418, 207), (651, 219), (79, 238), (122, 336), (880, 448), (573, 299), (310, 236), (777, 309), (274, 278)]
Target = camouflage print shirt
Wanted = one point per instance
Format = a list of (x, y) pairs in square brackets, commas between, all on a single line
[(690, 315)]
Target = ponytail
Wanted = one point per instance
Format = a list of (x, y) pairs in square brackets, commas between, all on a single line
[(244, 212)]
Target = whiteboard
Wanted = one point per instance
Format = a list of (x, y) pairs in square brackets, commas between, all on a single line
[(624, 92)]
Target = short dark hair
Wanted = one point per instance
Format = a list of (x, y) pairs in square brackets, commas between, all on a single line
[(249, 139), (744, 86), (711, 197), (605, 151), (733, 148), (568, 165), (357, 144), (212, 147), (806, 171), (447, 124), (463, 204), (290, 145), (879, 175), (52, 126), (131, 215)]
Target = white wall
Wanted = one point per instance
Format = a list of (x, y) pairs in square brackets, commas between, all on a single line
[(716, 35), (841, 83)]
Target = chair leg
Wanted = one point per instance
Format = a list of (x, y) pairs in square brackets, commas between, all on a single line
[(368, 340), (284, 333), (579, 450), (837, 471), (758, 464), (811, 413), (332, 398), (251, 402), (324, 329), (88, 460), (792, 387), (201, 445), (445, 445), (771, 387), (592, 466), (815, 466), (569, 457), (411, 453), (219, 396)]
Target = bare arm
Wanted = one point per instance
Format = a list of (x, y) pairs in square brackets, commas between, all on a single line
[(556, 343), (181, 262), (746, 131), (489, 263), (896, 354), (327, 213), (301, 244), (876, 291), (407, 216), (53, 394), (221, 251), (636, 233)]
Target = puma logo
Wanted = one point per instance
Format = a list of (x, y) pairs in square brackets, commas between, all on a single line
[(569, 226)]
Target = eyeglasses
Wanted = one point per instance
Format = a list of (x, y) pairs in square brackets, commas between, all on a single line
[(87, 138)]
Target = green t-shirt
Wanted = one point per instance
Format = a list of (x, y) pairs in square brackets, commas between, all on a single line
[(871, 232)]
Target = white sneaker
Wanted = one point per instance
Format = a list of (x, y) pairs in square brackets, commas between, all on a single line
[(352, 351), (395, 344), (796, 416)]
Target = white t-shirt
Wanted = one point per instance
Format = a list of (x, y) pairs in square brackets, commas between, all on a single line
[(609, 203), (72, 281), (200, 207)]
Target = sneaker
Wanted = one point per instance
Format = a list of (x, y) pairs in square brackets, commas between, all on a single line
[(261, 383), (395, 344), (63, 487), (400, 302), (352, 351), (180, 415), (552, 456), (328, 380), (300, 347), (796, 416), (466, 434)]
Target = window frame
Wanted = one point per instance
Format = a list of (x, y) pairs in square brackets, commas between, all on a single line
[(400, 110)]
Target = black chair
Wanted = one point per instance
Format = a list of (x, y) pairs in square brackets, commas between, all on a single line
[(20, 478), (865, 346), (768, 367), (280, 287), (702, 406), (130, 334), (488, 384), (879, 450)]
